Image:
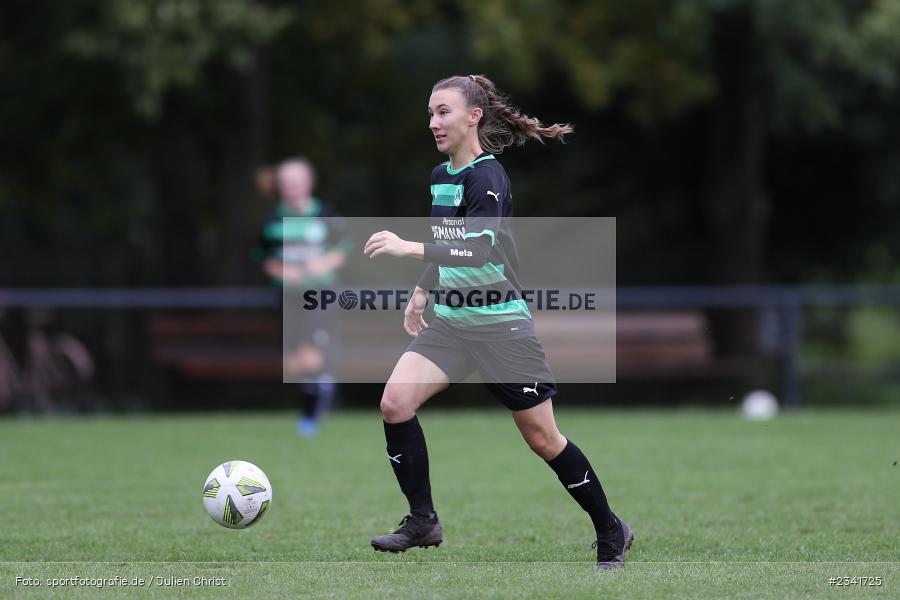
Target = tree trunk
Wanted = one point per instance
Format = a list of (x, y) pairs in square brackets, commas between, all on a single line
[(736, 205), (178, 173), (243, 150)]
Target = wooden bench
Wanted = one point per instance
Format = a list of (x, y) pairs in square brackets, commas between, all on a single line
[(648, 345), (217, 346), (663, 344)]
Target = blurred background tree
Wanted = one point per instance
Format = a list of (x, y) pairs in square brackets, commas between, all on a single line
[(737, 141)]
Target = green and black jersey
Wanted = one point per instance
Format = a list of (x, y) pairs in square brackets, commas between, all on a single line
[(473, 259), (294, 238)]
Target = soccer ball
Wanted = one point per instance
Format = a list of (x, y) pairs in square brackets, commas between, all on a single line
[(237, 494), (759, 405)]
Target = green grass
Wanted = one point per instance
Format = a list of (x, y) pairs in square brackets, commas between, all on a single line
[(721, 507)]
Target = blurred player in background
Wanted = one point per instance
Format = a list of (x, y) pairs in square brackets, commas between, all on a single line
[(303, 246), (474, 251)]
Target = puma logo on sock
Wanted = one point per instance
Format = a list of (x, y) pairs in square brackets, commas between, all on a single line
[(575, 485)]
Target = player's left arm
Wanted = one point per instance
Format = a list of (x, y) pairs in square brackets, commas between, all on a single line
[(338, 238), (484, 192), (337, 246)]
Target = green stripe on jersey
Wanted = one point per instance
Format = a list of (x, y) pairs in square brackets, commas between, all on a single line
[(473, 316), (447, 194), (483, 232), (297, 229), (463, 277)]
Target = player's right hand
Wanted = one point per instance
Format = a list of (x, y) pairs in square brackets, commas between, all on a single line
[(292, 274), (413, 322)]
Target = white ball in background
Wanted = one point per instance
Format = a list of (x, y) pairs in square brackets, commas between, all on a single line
[(759, 405)]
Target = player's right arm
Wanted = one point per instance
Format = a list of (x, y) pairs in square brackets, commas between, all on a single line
[(285, 272), (267, 252)]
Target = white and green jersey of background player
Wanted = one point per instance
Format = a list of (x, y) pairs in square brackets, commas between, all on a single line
[(295, 238), (473, 250)]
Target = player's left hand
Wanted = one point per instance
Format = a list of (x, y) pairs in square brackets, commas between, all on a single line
[(386, 242)]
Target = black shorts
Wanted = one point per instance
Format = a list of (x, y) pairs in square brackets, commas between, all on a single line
[(515, 371), (308, 328)]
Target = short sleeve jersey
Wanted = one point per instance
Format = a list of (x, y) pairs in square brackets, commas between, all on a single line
[(294, 237), (474, 204)]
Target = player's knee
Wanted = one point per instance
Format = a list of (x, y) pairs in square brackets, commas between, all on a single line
[(396, 403), (539, 443), (545, 444)]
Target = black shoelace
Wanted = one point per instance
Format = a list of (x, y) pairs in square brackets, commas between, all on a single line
[(608, 545), (408, 525)]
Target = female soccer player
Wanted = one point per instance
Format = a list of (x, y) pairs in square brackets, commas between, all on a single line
[(474, 250), (302, 244)]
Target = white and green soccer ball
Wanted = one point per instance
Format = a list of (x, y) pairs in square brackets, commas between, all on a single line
[(237, 494)]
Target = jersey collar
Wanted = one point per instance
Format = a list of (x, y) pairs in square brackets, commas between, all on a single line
[(313, 211), (470, 165)]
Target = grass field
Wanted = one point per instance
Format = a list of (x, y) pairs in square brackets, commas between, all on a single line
[(722, 508)]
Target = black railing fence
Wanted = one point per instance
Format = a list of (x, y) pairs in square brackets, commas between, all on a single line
[(783, 307)]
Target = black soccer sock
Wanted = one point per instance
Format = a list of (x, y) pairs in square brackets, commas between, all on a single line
[(327, 391), (575, 473), (309, 399), (408, 456)]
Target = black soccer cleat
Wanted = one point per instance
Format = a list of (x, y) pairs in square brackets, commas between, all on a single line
[(611, 550), (414, 531)]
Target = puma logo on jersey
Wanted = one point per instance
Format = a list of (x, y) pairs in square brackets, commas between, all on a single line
[(525, 390), (575, 485), (396, 459), (495, 195)]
